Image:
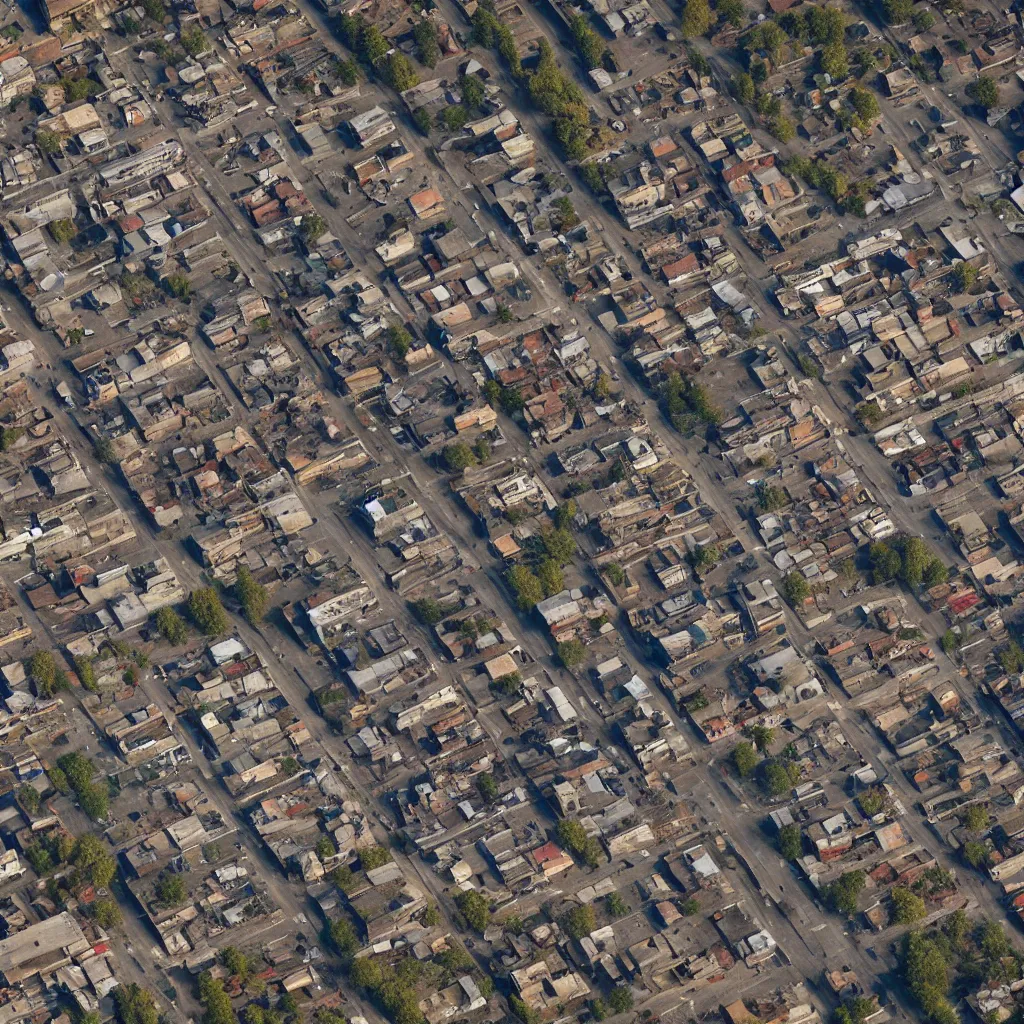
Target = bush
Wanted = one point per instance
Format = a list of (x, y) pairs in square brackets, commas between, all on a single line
[(62, 230), (975, 818), (312, 227), (964, 276), (697, 18), (795, 588), (171, 891), (193, 42), (687, 404), (49, 142), (770, 498), (179, 285), (616, 905), (488, 787), (457, 456)]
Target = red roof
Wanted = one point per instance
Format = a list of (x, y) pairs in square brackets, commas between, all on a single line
[(549, 851)]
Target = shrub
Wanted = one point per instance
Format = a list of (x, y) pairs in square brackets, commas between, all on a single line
[(571, 653), (474, 908), (373, 857), (579, 921), (620, 999)]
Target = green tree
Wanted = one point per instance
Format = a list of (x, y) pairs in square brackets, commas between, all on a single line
[(397, 71), (732, 12), (475, 908), (325, 848), (907, 908), (914, 557), (193, 42), (179, 285), (790, 842), (872, 801), (743, 88), (134, 1005), (559, 544), (171, 626), (93, 861), (935, 572), (949, 641), (236, 962), (49, 142), (526, 586), (616, 905), (312, 227), (826, 25), (697, 18), (29, 798), (421, 118), (897, 12), (107, 914), (841, 895), (761, 736), (886, 564), (834, 61), (775, 778), (620, 999), (571, 653), (923, 20), (252, 596), (865, 104), (744, 757), (579, 921), (42, 669), (457, 456), (373, 857), (589, 45), (170, 890), (428, 52), (206, 612), (488, 787), (399, 340), (550, 576), (453, 118), (574, 837), (795, 588), (216, 1002), (472, 92), (984, 91), (769, 497), (62, 230), (428, 611), (343, 938), (975, 818), (964, 275)]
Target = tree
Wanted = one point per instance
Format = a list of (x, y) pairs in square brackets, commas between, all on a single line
[(1011, 658), (171, 626), (347, 71), (206, 611), (474, 908), (571, 653), (216, 1002), (795, 588), (373, 857), (488, 787), (589, 45), (457, 456), (923, 20), (580, 921), (826, 25), (325, 848), (49, 142), (620, 999), (42, 669), (697, 18), (914, 558), (453, 118), (312, 227), (343, 938), (29, 798), (872, 801), (252, 596), (179, 285), (761, 736), (743, 88), (745, 759), (975, 818), (935, 572), (949, 641), (398, 72), (399, 340), (841, 895), (907, 908), (565, 213), (134, 1005), (865, 104), (472, 92), (731, 11), (193, 42), (560, 544), (574, 837), (616, 905), (565, 514), (769, 497), (886, 564), (428, 52), (107, 913), (550, 575), (775, 778), (62, 230), (984, 91), (504, 314), (236, 962), (834, 61), (170, 890), (782, 128), (791, 842), (897, 12), (508, 684), (526, 586), (94, 862), (421, 118)]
